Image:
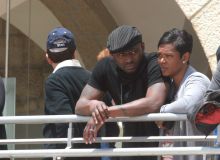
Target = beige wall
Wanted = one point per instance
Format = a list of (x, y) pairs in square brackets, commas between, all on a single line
[(205, 18), (153, 17)]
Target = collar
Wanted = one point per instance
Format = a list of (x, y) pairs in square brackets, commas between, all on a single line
[(188, 72), (67, 63)]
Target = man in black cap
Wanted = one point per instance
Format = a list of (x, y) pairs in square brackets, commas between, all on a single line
[(134, 81), (63, 87)]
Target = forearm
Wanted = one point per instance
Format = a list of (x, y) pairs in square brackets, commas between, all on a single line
[(192, 97), (149, 104), (88, 101), (184, 104), (136, 108), (178, 107), (87, 107), (84, 107)]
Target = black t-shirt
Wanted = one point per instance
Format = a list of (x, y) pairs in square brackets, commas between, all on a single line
[(125, 88)]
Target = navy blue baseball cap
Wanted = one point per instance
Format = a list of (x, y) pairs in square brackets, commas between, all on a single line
[(60, 40)]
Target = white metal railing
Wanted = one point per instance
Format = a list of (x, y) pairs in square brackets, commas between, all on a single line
[(40, 153), (42, 119), (156, 151), (110, 139)]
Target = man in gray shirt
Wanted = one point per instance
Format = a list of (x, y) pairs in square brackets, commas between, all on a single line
[(187, 85)]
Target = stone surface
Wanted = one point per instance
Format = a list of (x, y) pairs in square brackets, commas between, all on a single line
[(205, 18)]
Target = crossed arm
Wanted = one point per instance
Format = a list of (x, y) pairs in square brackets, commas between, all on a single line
[(90, 104)]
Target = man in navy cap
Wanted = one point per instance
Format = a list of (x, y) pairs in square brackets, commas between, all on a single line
[(63, 87), (134, 81)]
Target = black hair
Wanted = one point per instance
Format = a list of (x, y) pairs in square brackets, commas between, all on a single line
[(61, 56), (182, 40)]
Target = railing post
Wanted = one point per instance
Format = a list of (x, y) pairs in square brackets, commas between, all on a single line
[(204, 156), (69, 136), (218, 135)]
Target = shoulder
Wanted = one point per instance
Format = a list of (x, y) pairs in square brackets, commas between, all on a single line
[(150, 56), (199, 75), (68, 74), (51, 80), (199, 79), (151, 59), (105, 65), (105, 61)]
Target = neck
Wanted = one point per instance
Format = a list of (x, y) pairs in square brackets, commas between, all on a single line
[(179, 76), (54, 65)]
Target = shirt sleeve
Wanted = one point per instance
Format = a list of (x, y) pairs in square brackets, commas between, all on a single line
[(97, 79), (215, 82), (192, 95), (57, 100), (154, 72)]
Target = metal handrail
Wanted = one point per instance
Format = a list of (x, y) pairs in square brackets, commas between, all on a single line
[(42, 119), (110, 139), (120, 152)]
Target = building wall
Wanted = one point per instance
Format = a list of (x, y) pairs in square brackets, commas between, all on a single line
[(205, 18)]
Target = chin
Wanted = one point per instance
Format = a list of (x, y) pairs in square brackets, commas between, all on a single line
[(130, 71), (165, 74)]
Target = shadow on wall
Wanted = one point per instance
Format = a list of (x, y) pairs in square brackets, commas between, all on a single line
[(198, 57), (26, 62)]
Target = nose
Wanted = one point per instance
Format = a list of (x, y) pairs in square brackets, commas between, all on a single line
[(161, 60), (128, 58)]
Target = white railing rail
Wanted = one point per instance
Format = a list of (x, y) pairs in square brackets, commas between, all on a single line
[(40, 153), (156, 151), (109, 139), (42, 119)]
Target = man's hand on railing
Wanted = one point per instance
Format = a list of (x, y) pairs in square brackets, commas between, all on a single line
[(165, 124), (100, 112), (159, 124), (91, 130)]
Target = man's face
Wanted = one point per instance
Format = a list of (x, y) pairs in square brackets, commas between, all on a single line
[(129, 60), (169, 60)]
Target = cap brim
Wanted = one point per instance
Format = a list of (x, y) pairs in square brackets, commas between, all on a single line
[(57, 50)]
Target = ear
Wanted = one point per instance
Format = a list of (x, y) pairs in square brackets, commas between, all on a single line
[(186, 57), (49, 61), (75, 54)]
